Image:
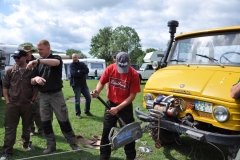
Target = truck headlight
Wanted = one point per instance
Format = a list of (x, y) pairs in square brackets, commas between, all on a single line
[(221, 114), (147, 97), (155, 65)]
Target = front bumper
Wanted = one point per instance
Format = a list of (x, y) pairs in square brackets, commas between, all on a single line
[(191, 132)]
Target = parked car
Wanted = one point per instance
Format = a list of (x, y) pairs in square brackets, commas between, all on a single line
[(135, 66)]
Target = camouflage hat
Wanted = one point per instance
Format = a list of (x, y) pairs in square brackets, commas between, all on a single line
[(28, 48)]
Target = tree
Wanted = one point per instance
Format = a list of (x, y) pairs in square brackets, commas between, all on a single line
[(100, 44), (108, 41), (150, 50), (69, 52), (135, 54), (124, 39)]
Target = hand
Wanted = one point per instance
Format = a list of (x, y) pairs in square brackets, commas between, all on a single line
[(39, 80), (94, 93), (32, 64), (113, 111)]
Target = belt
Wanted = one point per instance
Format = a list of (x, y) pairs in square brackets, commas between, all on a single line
[(51, 92)]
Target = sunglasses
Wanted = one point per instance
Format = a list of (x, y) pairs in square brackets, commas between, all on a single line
[(15, 57)]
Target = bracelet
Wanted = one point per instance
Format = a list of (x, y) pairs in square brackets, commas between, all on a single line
[(33, 101), (118, 109)]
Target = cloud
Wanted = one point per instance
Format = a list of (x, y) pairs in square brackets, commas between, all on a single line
[(72, 24)]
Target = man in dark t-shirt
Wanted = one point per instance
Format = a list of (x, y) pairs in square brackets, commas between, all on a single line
[(48, 77)]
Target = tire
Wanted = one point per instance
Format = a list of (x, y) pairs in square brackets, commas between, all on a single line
[(232, 151), (168, 137), (165, 136)]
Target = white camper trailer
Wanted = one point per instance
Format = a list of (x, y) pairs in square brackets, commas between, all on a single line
[(146, 70), (9, 51), (96, 67)]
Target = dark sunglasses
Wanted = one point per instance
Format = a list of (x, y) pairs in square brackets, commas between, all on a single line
[(15, 57)]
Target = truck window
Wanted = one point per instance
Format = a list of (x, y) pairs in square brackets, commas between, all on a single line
[(223, 48), (97, 65), (149, 67)]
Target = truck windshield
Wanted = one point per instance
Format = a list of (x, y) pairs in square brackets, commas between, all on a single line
[(220, 50)]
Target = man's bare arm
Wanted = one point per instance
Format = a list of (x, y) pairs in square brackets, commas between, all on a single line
[(97, 91), (5, 94), (49, 62), (235, 91)]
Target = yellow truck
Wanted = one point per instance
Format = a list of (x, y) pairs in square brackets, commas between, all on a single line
[(190, 91)]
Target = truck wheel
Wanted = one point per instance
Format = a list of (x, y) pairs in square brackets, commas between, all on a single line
[(232, 151), (168, 137), (165, 136)]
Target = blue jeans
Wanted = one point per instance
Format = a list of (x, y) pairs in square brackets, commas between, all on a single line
[(85, 91)]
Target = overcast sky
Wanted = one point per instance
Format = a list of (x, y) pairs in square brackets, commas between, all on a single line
[(70, 24)]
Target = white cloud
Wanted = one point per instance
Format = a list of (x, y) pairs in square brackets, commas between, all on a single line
[(71, 24)]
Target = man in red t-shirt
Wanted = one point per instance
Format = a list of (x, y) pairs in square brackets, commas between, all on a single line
[(124, 84)]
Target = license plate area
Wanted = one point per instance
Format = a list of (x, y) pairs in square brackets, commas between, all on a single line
[(203, 106)]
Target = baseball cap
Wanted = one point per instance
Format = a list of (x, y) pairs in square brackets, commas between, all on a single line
[(20, 53), (122, 60)]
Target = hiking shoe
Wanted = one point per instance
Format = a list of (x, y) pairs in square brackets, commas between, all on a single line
[(49, 150), (31, 133), (89, 114), (29, 148), (5, 156), (75, 147), (78, 117), (41, 133)]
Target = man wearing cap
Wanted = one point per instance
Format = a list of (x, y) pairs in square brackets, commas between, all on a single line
[(36, 111), (123, 86), (19, 95)]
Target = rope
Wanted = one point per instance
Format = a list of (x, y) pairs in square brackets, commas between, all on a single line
[(60, 153)]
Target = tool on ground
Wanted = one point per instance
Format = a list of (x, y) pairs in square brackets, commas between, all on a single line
[(125, 135)]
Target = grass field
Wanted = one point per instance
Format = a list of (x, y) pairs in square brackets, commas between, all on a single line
[(187, 149)]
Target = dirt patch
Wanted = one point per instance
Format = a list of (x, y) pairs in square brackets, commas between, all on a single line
[(72, 99), (82, 99)]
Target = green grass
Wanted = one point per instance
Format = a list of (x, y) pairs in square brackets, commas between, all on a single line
[(188, 149)]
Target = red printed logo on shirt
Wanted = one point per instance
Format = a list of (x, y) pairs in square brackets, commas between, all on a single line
[(118, 83)]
